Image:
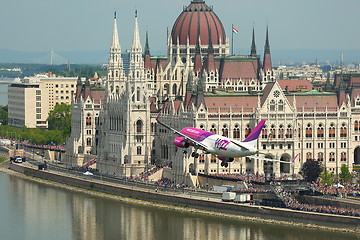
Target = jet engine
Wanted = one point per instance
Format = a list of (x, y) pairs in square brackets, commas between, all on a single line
[(181, 143)]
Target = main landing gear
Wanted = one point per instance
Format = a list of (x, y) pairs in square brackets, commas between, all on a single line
[(224, 164), (194, 154)]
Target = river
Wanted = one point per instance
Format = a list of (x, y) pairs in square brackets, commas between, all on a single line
[(35, 211)]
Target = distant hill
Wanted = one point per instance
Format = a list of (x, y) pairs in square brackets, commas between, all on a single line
[(62, 57), (101, 56)]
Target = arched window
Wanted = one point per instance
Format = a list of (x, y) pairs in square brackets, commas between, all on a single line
[(138, 94), (272, 132), (138, 150), (139, 126), (88, 120), (332, 130), (281, 106), (343, 130), (309, 156), (225, 131), (264, 132), (213, 129), (174, 91), (320, 157), (236, 133), (247, 130), (272, 106), (289, 132), (152, 127), (332, 157), (356, 126), (166, 88), (281, 132), (320, 131), (88, 142), (358, 102), (308, 131), (343, 157)]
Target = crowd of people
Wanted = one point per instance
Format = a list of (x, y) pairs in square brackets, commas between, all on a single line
[(44, 147), (167, 183), (253, 190), (292, 203), (249, 177), (336, 189), (144, 176)]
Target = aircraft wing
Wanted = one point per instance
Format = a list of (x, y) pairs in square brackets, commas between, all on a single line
[(195, 143), (269, 159)]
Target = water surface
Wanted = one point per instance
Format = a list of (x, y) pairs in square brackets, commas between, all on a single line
[(35, 211)]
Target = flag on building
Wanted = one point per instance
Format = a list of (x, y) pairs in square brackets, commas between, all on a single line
[(235, 30)]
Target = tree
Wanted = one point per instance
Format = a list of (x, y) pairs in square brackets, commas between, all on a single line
[(3, 115), (345, 174), (326, 177), (60, 118), (311, 170)]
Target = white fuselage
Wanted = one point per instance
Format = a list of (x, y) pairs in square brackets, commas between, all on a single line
[(223, 146)]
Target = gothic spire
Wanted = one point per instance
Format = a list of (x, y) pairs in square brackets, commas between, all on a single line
[(198, 60), (115, 44), (253, 44), (210, 62), (136, 45), (147, 49), (147, 53), (267, 44), (267, 56)]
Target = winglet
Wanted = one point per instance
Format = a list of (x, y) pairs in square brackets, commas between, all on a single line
[(293, 160)]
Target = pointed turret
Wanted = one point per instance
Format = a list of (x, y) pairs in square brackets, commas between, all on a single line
[(210, 62), (115, 44), (147, 53), (87, 88), (136, 71), (79, 86), (253, 45), (136, 45), (267, 56), (328, 86), (147, 49), (115, 68), (198, 60)]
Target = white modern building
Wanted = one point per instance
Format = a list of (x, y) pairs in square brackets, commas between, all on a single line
[(31, 99)]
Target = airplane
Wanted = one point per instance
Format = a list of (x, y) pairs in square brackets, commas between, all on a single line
[(226, 149)]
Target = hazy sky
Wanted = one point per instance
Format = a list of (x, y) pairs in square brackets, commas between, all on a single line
[(72, 25)]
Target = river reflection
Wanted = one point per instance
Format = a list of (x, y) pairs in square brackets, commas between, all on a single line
[(35, 211)]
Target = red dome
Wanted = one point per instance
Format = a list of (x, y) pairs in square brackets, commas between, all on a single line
[(198, 19)]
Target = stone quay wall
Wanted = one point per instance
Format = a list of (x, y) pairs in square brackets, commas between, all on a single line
[(195, 202)]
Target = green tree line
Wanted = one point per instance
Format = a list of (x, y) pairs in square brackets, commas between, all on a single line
[(59, 122), (82, 70)]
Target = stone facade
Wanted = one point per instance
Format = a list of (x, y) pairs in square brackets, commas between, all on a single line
[(197, 86)]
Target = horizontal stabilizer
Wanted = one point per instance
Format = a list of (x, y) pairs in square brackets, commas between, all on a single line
[(268, 159)]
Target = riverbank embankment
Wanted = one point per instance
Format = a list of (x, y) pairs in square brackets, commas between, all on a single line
[(202, 205)]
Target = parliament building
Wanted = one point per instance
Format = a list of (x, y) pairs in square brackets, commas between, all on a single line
[(200, 84)]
